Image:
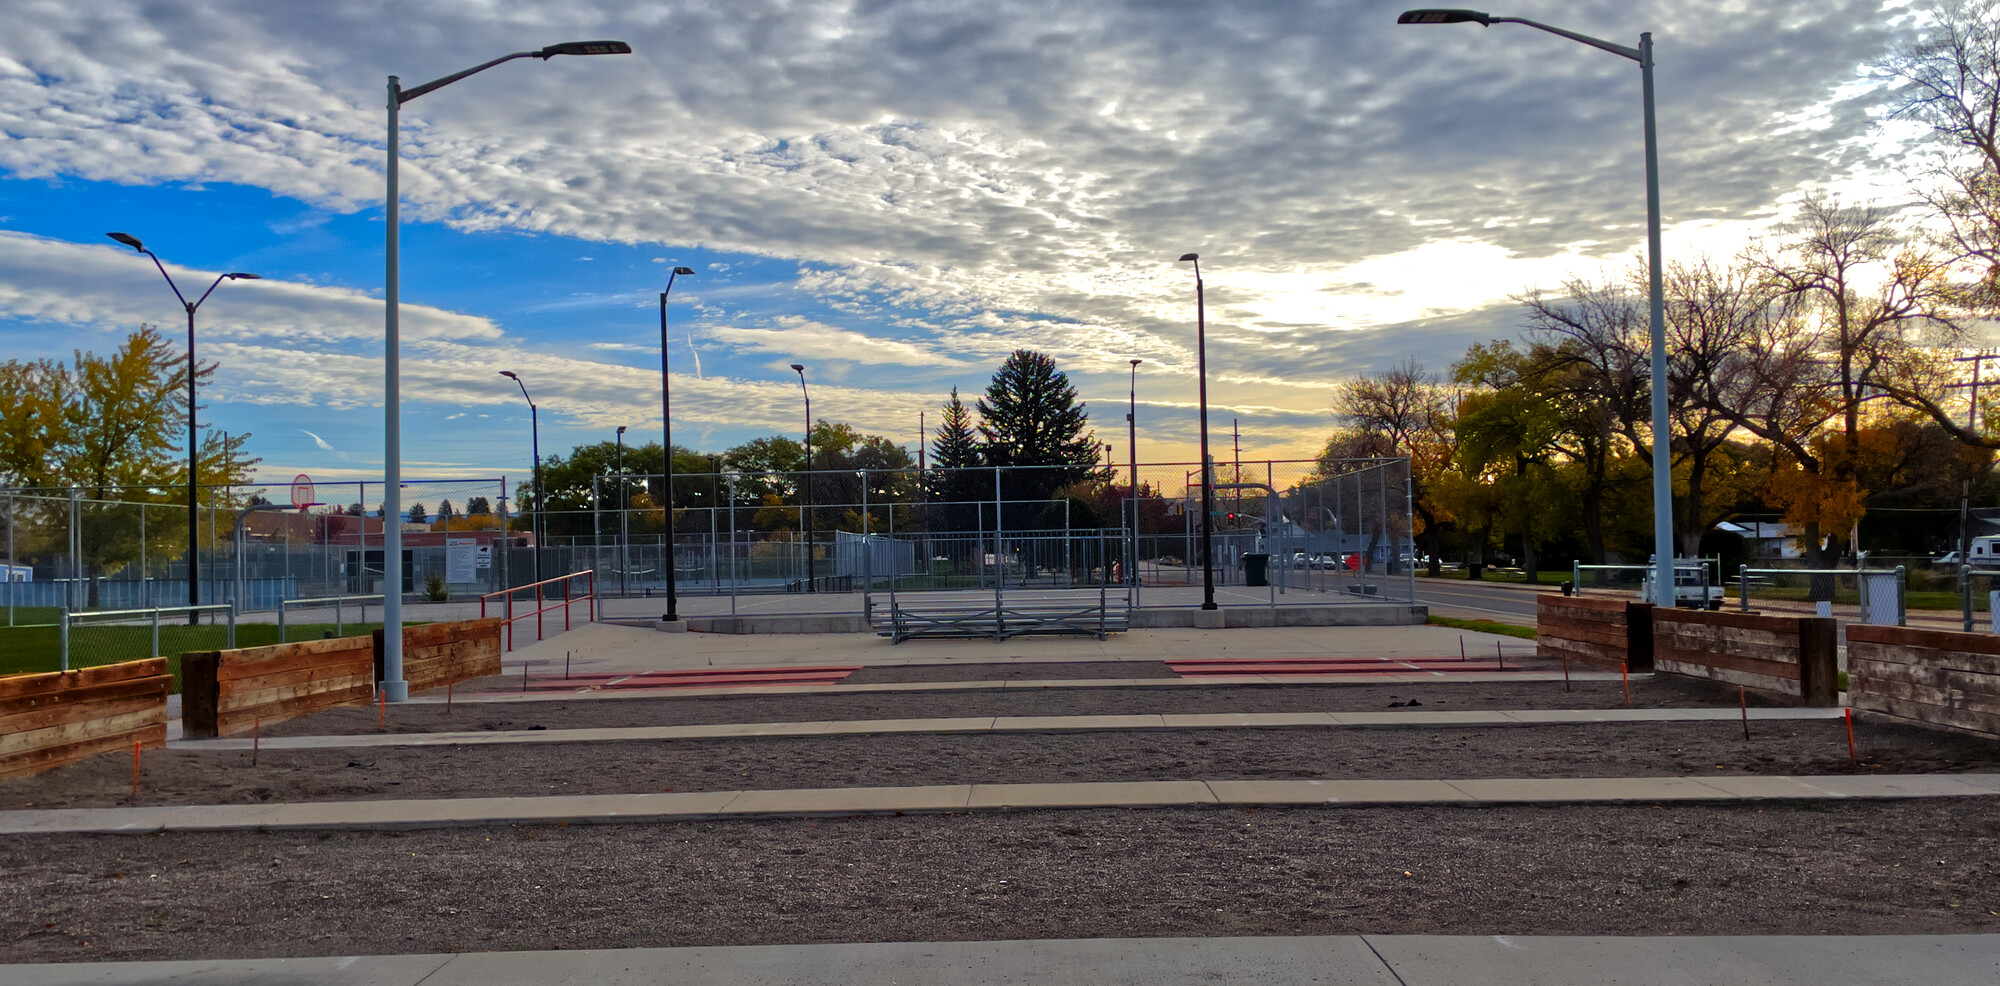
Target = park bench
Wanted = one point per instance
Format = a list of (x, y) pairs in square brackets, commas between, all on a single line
[(983, 616)]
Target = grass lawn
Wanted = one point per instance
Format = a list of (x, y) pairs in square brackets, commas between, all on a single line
[(1484, 626), (32, 649)]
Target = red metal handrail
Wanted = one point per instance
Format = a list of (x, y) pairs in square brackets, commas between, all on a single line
[(544, 601)]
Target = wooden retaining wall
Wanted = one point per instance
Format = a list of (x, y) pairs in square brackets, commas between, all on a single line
[(1787, 657), (49, 720), (226, 692), (440, 654), (1596, 631), (1939, 678)]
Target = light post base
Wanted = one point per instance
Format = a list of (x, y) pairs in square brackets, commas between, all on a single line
[(671, 626), (1209, 619), (394, 691)]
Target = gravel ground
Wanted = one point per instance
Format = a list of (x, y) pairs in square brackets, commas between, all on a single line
[(1914, 867), (1651, 693), (905, 759), (1036, 671)]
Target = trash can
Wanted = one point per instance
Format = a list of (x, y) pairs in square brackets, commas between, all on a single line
[(1256, 569)]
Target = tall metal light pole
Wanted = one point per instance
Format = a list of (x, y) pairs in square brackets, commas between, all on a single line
[(1663, 488), (536, 522), (394, 688), (805, 479), (667, 419), (194, 449), (1132, 450), (1207, 487), (622, 589)]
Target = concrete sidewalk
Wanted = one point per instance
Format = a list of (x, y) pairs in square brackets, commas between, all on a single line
[(434, 697), (708, 805), (1333, 960), (595, 647), (1009, 724)]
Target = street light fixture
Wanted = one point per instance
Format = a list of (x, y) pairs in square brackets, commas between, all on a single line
[(194, 449), (394, 688), (1207, 487), (666, 416), (805, 478), (1132, 450), (622, 539), (535, 523), (1663, 489)]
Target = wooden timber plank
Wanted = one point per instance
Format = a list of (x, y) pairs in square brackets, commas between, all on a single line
[(65, 733), (1762, 684), (1598, 604), (108, 691), (1787, 625), (1950, 641), (31, 684), (1747, 665), (1960, 720), (48, 758), (247, 665), (303, 693), (1944, 694), (1984, 686), (1909, 654), (297, 647), (229, 690), (75, 712)]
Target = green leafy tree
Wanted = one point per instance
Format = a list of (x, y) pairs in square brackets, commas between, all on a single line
[(114, 427)]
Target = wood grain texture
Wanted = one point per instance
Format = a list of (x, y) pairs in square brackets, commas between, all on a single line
[(49, 720)]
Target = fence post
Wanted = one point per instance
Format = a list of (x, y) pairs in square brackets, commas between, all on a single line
[(155, 652), (231, 638), (1743, 587), (282, 638), (64, 618), (1902, 599)]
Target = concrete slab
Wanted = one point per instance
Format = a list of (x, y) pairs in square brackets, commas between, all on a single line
[(1741, 786), (1507, 960), (1247, 720), (1504, 790), (1018, 724), (1399, 717), (1334, 792), (1111, 794), (1331, 960), (348, 970), (943, 797), (1897, 786)]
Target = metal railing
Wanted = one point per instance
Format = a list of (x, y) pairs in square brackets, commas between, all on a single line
[(337, 602), (132, 619), (1880, 592), (543, 602)]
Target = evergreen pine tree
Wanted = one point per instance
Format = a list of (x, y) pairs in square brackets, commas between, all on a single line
[(956, 454), (1030, 417)]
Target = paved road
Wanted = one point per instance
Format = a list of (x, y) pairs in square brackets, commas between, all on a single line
[(1479, 600)]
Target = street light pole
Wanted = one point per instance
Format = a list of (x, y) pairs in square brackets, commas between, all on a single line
[(394, 688), (1663, 488), (667, 419), (1207, 487), (193, 449), (1132, 450), (536, 522), (805, 479), (622, 589)]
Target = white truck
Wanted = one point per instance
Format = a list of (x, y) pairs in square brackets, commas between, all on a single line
[(1692, 588), (1985, 553)]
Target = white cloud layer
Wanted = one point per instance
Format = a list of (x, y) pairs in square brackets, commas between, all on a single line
[(984, 175)]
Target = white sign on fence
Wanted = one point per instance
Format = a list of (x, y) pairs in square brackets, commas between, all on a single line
[(461, 560)]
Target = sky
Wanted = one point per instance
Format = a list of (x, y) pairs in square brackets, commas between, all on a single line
[(895, 194)]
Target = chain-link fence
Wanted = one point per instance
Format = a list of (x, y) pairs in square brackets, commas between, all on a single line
[(1283, 533)]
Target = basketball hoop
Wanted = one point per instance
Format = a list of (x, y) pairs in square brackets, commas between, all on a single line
[(302, 492)]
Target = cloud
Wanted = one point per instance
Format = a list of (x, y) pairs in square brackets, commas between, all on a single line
[(806, 339), (954, 181)]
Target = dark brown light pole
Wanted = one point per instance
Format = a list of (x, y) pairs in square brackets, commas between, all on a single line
[(667, 419), (1207, 488), (194, 449), (805, 479)]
